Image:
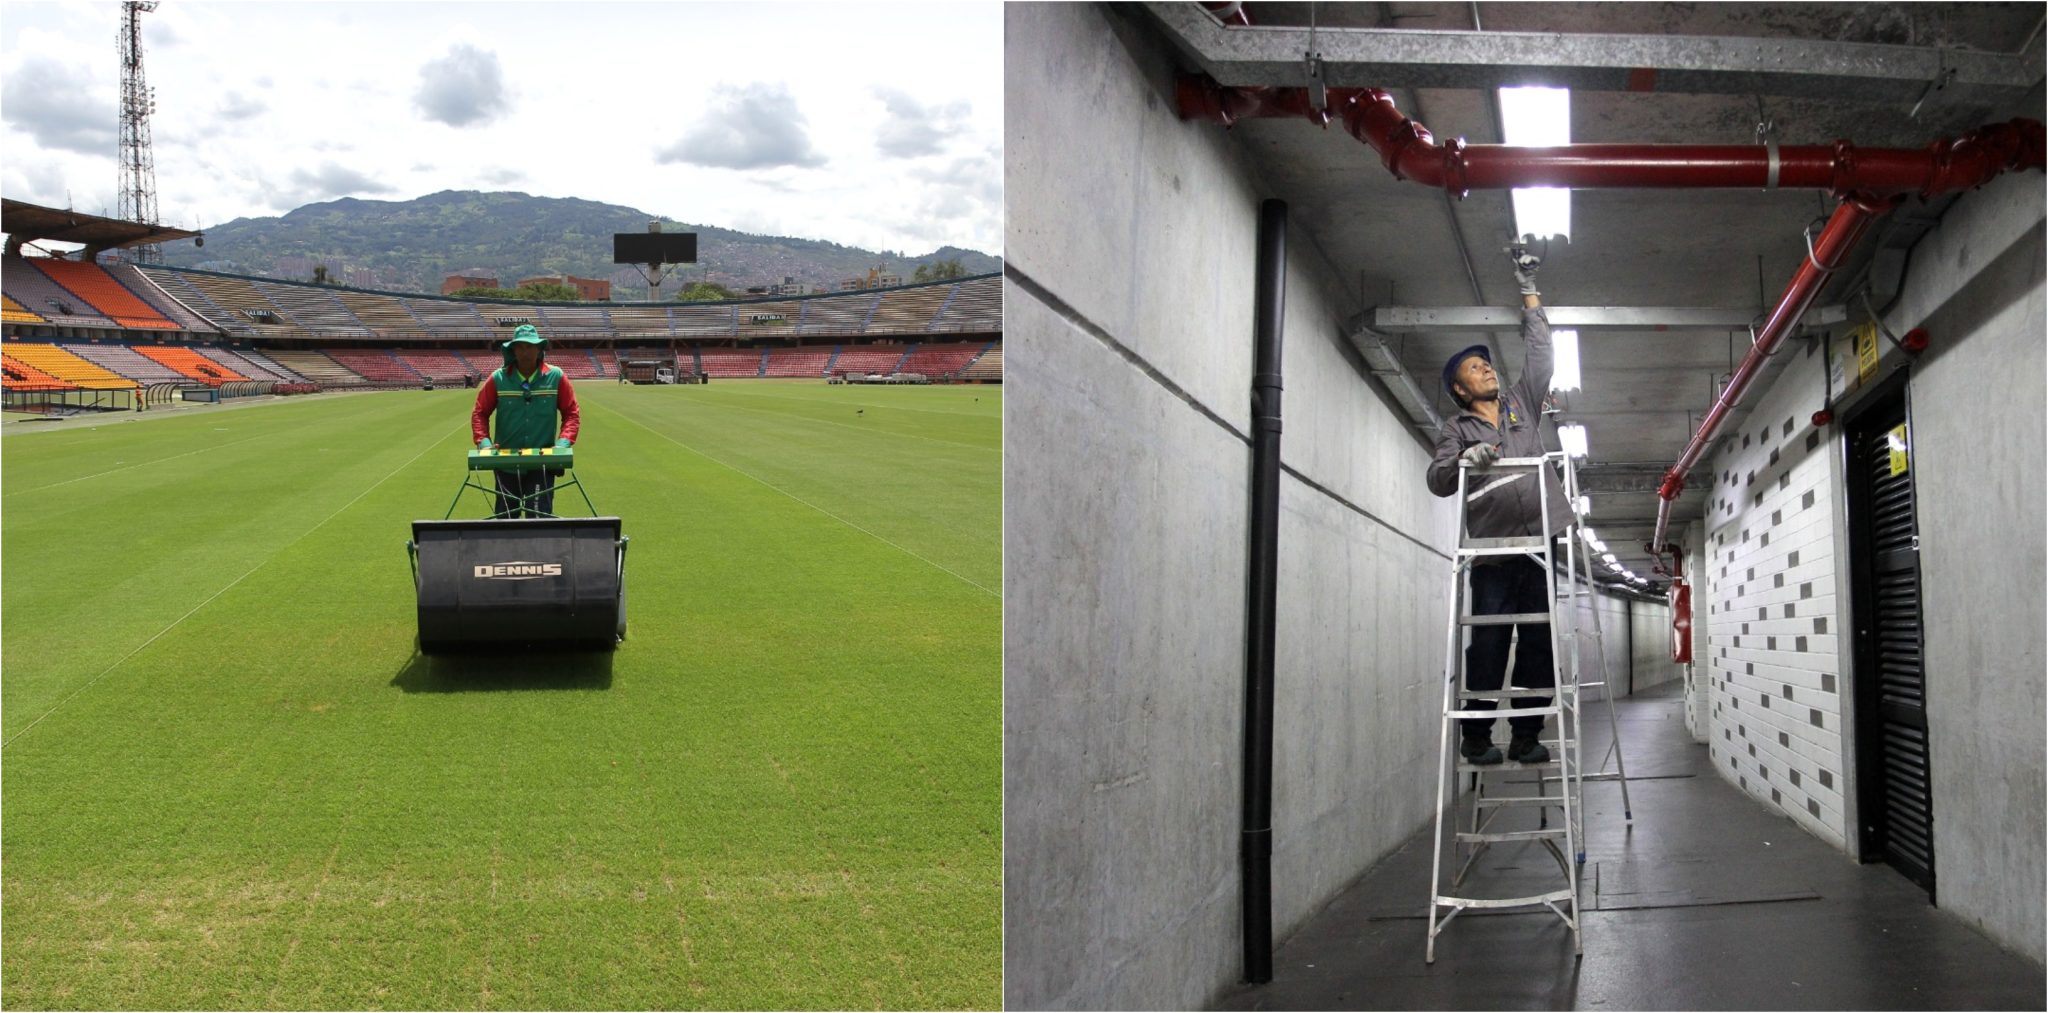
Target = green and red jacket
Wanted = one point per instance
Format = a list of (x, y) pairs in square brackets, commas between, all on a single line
[(526, 407)]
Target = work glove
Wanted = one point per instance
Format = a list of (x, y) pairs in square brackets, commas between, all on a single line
[(1526, 264), (562, 444), (484, 444), (1480, 455)]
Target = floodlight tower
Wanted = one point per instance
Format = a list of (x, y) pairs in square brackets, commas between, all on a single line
[(138, 100)]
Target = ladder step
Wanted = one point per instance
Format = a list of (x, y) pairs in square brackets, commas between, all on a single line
[(1479, 902), (1517, 693), (1552, 834), (1505, 712), (1465, 767), (1505, 619), (1538, 800), (1605, 775)]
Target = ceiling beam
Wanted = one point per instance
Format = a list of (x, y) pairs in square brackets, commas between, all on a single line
[(1692, 64), (1425, 319)]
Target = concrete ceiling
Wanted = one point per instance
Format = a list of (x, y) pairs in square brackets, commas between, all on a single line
[(1643, 392)]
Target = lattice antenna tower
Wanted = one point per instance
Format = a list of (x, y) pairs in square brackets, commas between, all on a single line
[(138, 101)]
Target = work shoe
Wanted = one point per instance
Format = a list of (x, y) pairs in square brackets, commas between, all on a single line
[(1479, 752), (1525, 749)]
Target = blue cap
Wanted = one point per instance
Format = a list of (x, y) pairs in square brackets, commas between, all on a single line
[(1451, 367)]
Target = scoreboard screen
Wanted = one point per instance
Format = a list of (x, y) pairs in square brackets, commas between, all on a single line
[(654, 247)]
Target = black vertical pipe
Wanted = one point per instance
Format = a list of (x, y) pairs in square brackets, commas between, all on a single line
[(1261, 585)]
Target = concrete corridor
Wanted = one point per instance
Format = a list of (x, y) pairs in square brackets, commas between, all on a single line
[(1712, 901)]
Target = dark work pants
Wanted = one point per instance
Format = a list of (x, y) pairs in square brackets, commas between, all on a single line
[(1514, 584), (514, 484)]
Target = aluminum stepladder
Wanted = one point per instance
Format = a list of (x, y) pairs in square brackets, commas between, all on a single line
[(1562, 769), (1587, 639)]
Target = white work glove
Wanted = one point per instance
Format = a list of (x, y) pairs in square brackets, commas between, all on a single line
[(1526, 264), (1480, 455)]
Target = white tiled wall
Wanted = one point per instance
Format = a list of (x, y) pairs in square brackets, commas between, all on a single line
[(1773, 647)]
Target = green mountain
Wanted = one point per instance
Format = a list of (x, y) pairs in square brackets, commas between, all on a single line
[(411, 245)]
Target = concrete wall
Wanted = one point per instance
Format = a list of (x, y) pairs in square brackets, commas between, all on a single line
[(1977, 432), (1651, 625), (1128, 323)]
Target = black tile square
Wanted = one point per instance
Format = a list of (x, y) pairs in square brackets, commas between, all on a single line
[(1827, 780), (1788, 423), (1820, 624), (1786, 689), (1777, 580), (1813, 715), (1792, 558), (1785, 740), (1806, 500), (1812, 440), (1827, 682), (1774, 797), (1799, 644), (1813, 807), (1792, 775), (1767, 535), (1770, 643), (1788, 610), (1806, 590), (1777, 516)]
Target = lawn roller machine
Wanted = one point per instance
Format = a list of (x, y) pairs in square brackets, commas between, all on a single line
[(539, 581)]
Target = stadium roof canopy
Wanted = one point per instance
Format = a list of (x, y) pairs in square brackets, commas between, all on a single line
[(24, 222)]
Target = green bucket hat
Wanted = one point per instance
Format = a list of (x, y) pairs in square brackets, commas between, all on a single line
[(527, 334)]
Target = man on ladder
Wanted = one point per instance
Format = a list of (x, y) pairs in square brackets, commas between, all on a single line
[(1497, 421)]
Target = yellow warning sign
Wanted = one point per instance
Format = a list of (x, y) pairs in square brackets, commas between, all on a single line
[(1866, 351), (1900, 450)]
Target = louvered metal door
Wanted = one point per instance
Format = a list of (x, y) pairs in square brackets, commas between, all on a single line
[(1896, 790)]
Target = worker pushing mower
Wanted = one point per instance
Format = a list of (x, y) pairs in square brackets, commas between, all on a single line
[(523, 575)]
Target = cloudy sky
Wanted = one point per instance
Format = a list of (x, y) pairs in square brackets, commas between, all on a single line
[(875, 125)]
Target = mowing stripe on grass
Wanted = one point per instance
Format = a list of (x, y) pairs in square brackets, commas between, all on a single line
[(209, 598), (963, 578), (138, 464), (864, 404), (865, 432)]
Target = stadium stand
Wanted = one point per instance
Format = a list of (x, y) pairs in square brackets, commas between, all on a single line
[(315, 309), (843, 315), (67, 367), (869, 359), (245, 307), (24, 377), (483, 362), (908, 310), (378, 365), (125, 360), (38, 294), (316, 367), (607, 362), (976, 306), (192, 364), (451, 318), (941, 359), (574, 319), (443, 366), (16, 313), (988, 367), (641, 322), (177, 287), (106, 295), (384, 314), (770, 319), (730, 362), (575, 363), (153, 294), (705, 321), (809, 361), (252, 365)]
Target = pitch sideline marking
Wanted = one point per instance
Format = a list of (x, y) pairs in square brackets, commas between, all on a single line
[(265, 561), (747, 474)]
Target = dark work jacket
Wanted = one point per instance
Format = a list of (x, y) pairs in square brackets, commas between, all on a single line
[(1503, 504)]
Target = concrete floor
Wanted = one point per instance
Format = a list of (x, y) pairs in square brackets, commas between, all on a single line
[(1709, 902)]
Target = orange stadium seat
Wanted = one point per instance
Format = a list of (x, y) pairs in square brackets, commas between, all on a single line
[(22, 376), (68, 367), (192, 364), (97, 287)]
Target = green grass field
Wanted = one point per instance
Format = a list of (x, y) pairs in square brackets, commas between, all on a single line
[(229, 781)]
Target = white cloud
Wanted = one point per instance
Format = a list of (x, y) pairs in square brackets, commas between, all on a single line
[(465, 88), (58, 108), (750, 126), (913, 129)]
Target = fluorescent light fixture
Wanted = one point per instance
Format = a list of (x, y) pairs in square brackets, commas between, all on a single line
[(1564, 375), (1539, 118), (1584, 505), (1608, 558), (1573, 439)]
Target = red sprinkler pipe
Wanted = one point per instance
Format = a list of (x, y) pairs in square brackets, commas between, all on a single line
[(1852, 218), (1409, 151)]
